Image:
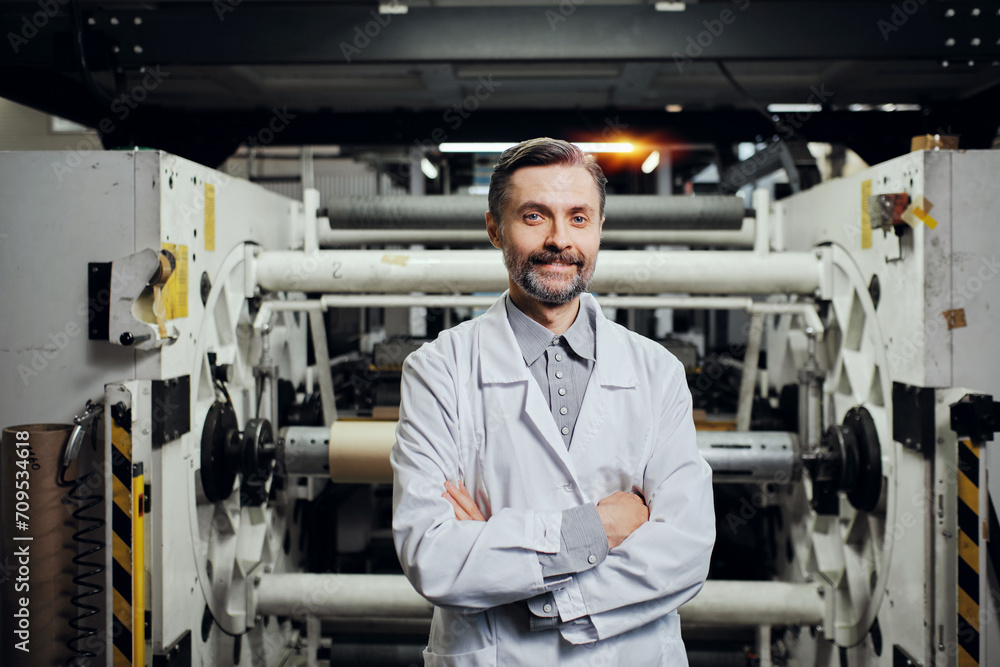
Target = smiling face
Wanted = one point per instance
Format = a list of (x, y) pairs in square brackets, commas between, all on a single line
[(551, 232)]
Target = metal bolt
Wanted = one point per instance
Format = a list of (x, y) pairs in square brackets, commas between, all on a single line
[(114, 20), (949, 13), (975, 11), (950, 41), (137, 49), (138, 20), (145, 430), (114, 49), (91, 21)]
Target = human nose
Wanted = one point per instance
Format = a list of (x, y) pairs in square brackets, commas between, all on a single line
[(558, 236)]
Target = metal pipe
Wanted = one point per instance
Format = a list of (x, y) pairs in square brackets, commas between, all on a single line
[(751, 456), (618, 271), (762, 233), (805, 309), (740, 238), (391, 597), (468, 212), (748, 381), (360, 453)]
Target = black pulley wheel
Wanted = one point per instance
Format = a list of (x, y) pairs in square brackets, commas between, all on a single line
[(220, 455), (866, 490)]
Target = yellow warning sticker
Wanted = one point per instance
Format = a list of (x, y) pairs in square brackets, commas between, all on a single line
[(175, 291), (209, 216), (866, 219)]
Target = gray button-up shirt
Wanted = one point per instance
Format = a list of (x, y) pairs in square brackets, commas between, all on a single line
[(561, 364)]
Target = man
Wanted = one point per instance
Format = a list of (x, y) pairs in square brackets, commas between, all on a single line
[(549, 497)]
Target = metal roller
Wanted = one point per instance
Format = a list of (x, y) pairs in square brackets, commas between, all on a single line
[(752, 456), (358, 451), (468, 212), (391, 597), (738, 238), (465, 271)]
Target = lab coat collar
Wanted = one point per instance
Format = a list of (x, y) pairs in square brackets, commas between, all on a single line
[(498, 347)]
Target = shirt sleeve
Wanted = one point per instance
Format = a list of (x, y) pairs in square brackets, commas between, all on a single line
[(665, 561), (583, 544), (467, 566)]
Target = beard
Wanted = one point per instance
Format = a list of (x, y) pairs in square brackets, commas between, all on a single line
[(549, 288)]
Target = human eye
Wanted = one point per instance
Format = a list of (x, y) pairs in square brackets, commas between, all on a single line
[(532, 217)]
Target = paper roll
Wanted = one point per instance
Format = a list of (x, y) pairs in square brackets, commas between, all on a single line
[(359, 451), (36, 534)]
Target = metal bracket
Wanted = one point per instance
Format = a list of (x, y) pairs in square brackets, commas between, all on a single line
[(976, 416), (127, 280), (171, 409), (913, 416)]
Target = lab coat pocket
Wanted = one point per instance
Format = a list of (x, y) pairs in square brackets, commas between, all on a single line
[(486, 657)]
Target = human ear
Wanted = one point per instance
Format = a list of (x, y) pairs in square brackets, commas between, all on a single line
[(493, 229)]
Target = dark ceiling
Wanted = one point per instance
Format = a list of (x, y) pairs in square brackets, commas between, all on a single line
[(200, 78)]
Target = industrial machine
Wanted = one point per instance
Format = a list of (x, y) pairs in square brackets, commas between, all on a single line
[(192, 324)]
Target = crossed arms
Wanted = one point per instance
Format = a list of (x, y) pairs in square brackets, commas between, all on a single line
[(461, 562)]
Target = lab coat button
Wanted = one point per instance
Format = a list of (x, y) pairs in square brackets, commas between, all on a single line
[(592, 559), (565, 430), (547, 609)]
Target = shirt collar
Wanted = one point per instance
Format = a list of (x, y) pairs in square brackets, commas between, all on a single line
[(533, 337)]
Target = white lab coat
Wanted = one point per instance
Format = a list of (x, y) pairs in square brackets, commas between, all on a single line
[(471, 411)]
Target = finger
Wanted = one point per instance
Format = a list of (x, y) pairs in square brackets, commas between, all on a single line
[(474, 510), (461, 495), (460, 513)]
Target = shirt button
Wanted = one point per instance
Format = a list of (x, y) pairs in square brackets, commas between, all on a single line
[(592, 559), (562, 392), (559, 375), (547, 608), (565, 430), (558, 357), (563, 410), (567, 487)]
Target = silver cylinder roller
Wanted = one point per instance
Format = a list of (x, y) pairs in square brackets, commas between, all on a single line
[(359, 452), (752, 456)]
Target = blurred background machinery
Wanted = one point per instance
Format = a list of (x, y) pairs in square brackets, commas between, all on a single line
[(201, 341)]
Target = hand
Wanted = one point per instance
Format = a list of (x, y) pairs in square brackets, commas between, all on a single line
[(621, 513), (461, 501)]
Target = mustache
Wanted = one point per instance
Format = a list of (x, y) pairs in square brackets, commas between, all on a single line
[(548, 257)]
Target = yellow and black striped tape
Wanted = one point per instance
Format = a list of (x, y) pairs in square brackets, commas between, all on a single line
[(969, 533), (127, 515)]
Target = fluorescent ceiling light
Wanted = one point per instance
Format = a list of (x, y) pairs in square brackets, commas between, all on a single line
[(794, 108), (651, 163), (669, 6), (499, 147), (674, 108), (430, 171)]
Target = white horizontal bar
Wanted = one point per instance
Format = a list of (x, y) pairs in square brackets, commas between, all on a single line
[(742, 238), (618, 271), (391, 597)]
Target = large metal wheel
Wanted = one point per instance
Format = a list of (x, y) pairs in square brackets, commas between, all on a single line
[(232, 536), (849, 551)]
